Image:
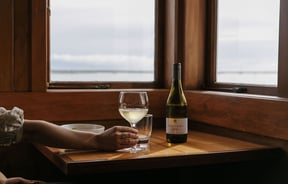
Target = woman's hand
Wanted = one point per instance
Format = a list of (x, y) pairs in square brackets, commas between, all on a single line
[(17, 180), (117, 137), (20, 180)]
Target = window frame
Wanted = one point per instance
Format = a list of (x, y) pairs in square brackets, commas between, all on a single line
[(158, 62), (173, 42), (210, 81)]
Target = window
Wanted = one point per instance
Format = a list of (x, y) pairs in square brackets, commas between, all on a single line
[(99, 41), (246, 46), (247, 41)]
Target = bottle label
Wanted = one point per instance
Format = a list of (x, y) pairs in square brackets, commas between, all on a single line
[(176, 125)]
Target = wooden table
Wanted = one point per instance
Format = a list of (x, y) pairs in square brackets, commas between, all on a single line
[(201, 148)]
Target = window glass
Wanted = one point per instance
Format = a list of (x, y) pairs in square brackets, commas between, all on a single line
[(102, 40), (247, 41)]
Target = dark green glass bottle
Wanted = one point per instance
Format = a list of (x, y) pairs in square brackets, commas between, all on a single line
[(176, 110)]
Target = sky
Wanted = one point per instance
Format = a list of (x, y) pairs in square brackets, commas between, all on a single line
[(102, 33)]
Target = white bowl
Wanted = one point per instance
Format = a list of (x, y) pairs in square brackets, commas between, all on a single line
[(85, 127)]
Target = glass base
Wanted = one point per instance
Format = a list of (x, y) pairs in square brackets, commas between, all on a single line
[(134, 149)]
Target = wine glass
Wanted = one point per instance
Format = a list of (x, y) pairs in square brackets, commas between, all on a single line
[(133, 106)]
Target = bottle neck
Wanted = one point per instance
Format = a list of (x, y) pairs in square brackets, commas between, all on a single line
[(176, 72)]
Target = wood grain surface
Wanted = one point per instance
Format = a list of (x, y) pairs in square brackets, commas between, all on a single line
[(200, 149)]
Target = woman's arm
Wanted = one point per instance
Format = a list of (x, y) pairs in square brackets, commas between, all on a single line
[(17, 180), (43, 132)]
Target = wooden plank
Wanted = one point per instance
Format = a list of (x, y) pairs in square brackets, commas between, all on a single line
[(200, 149), (22, 53), (193, 53), (39, 47), (6, 46), (77, 105), (261, 115), (283, 54), (169, 42)]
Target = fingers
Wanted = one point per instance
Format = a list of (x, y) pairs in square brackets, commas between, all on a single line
[(126, 129), (124, 135), (127, 143), (117, 137), (123, 132), (127, 138)]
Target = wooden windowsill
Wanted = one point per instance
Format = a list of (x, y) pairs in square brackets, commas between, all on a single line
[(201, 149)]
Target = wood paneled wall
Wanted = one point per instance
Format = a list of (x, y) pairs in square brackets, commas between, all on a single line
[(6, 46), (267, 116), (77, 105), (261, 115)]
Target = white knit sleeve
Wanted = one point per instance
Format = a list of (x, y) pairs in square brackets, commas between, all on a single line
[(11, 125)]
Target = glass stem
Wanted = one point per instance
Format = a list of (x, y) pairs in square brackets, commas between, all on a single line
[(133, 148)]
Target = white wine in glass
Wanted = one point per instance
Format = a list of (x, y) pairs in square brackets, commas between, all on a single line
[(133, 106)]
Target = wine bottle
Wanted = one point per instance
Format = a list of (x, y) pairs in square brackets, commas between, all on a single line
[(176, 110)]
